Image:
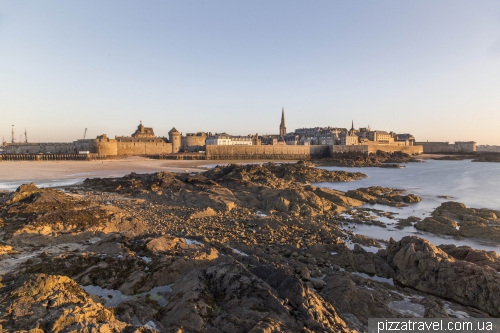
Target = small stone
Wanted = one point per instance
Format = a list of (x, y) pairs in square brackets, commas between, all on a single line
[(305, 274), (318, 284)]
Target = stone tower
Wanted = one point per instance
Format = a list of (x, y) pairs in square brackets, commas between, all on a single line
[(282, 124), (175, 138)]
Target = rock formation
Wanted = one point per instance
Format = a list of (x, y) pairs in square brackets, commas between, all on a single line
[(420, 265), (454, 218), (253, 248)]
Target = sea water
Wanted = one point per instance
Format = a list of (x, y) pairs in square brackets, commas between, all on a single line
[(476, 184)]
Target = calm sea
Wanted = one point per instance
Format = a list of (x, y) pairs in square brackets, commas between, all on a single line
[(477, 185)]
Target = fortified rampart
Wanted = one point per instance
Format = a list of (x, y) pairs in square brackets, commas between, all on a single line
[(214, 152), (374, 147), (89, 145), (37, 148), (142, 146), (446, 147), (352, 149), (193, 141), (105, 146), (102, 145)]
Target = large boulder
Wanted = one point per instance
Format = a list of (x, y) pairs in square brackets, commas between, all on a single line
[(472, 222), (438, 225), (52, 303), (421, 265), (22, 192)]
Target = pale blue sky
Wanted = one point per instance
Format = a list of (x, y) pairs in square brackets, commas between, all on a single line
[(430, 68)]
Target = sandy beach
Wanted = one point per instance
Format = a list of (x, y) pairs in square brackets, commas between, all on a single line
[(59, 173), (50, 170), (19, 170)]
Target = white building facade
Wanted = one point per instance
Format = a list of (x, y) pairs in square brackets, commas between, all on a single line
[(224, 139)]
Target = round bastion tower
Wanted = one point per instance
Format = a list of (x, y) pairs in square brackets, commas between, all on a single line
[(175, 138)]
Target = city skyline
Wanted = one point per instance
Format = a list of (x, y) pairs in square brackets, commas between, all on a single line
[(431, 69)]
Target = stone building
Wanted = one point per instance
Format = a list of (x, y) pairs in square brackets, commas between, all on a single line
[(219, 139), (329, 137), (404, 137), (142, 142), (143, 132), (381, 137), (350, 137), (318, 135), (292, 139), (364, 133), (341, 136), (224, 139), (272, 140), (241, 140)]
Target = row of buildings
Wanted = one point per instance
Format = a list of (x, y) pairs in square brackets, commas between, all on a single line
[(144, 142), (329, 136)]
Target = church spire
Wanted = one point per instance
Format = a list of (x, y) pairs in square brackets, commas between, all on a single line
[(282, 124), (352, 124)]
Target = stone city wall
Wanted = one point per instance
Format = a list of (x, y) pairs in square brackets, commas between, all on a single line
[(411, 150), (351, 149), (143, 148), (373, 148), (104, 146), (446, 147), (89, 145), (74, 147), (486, 148), (36, 148), (192, 141), (266, 152)]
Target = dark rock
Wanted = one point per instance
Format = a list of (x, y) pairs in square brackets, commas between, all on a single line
[(420, 265), (478, 257)]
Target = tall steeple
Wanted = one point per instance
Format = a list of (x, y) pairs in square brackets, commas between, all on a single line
[(352, 131), (282, 124)]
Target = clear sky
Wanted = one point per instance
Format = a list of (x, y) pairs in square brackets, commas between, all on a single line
[(430, 68)]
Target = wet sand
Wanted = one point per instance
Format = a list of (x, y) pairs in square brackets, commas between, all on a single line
[(45, 170), (65, 170), (60, 173)]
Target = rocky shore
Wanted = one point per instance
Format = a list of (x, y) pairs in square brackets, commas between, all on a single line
[(454, 218), (238, 248), (475, 157), (380, 159)]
